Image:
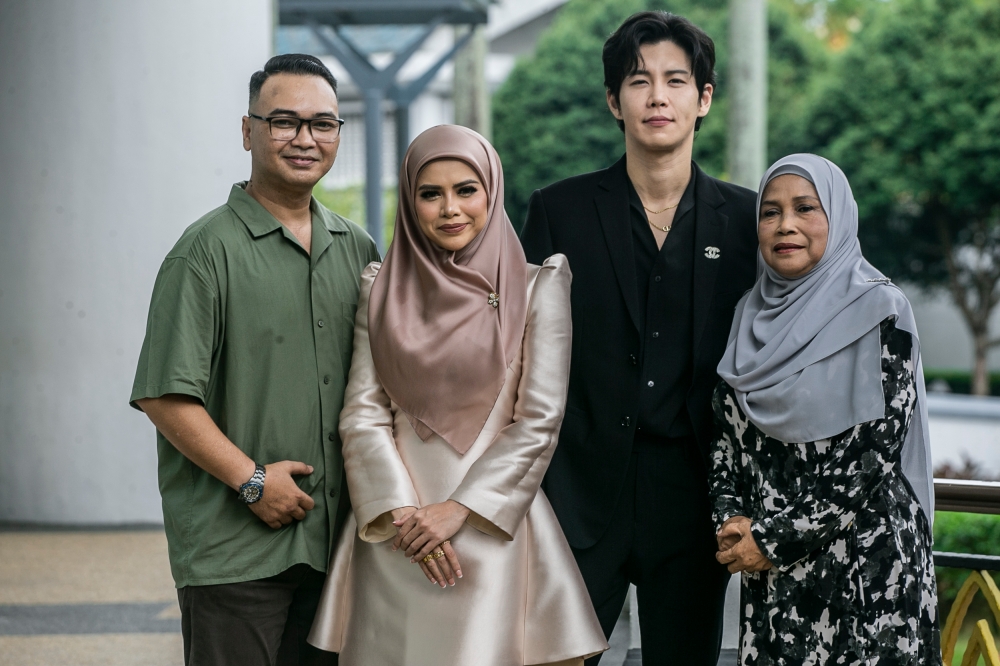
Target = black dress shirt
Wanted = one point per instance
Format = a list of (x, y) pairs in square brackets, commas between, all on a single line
[(665, 280)]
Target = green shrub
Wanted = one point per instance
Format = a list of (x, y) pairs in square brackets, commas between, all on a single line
[(974, 533), (960, 381)]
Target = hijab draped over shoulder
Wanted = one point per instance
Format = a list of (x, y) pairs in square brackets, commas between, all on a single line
[(804, 355), (440, 343)]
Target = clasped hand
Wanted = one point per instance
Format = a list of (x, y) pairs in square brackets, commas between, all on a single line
[(420, 531), (738, 549), (283, 501)]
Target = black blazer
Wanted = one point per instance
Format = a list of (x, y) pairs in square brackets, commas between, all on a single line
[(587, 219)]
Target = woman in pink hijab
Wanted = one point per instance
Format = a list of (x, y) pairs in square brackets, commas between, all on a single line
[(456, 394)]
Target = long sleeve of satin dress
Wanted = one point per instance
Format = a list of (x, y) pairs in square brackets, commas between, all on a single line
[(521, 600)]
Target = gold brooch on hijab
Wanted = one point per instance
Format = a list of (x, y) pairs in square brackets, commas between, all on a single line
[(494, 300)]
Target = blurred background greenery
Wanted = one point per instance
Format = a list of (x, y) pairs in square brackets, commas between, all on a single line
[(904, 95), (964, 533)]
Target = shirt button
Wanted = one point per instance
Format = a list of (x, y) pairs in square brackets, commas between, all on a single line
[(633, 360), (333, 493), (656, 334), (326, 380), (657, 278), (650, 383), (331, 437), (320, 323)]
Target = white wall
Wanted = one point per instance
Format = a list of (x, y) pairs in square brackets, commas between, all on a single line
[(965, 427), (119, 126), (944, 336)]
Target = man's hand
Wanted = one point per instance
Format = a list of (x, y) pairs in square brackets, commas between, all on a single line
[(283, 501), (744, 554)]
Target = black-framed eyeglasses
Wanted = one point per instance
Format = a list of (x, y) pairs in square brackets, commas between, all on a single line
[(286, 128)]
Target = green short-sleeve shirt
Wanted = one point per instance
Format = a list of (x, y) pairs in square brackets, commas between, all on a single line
[(259, 331)]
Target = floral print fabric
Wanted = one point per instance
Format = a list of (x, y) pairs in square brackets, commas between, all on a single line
[(853, 577)]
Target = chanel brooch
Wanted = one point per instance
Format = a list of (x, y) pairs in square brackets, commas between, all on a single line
[(494, 299), (712, 252)]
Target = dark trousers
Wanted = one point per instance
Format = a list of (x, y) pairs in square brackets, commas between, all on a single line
[(255, 623), (662, 540)]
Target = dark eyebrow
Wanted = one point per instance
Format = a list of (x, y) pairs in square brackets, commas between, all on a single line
[(429, 186), (471, 181), (295, 114), (669, 72)]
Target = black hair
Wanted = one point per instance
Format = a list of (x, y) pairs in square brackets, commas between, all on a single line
[(621, 51), (291, 63)]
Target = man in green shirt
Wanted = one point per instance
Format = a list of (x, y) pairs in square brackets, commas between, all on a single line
[(243, 371)]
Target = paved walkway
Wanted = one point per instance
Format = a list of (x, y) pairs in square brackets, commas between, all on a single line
[(87, 599), (107, 599)]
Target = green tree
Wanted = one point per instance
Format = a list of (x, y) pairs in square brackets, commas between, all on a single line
[(550, 116), (912, 115)]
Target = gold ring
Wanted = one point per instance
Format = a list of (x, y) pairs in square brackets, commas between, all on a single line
[(433, 556)]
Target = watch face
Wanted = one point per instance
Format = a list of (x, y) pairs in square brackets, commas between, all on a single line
[(251, 492)]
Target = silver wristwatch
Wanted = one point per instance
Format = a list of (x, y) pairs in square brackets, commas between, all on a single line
[(253, 490)]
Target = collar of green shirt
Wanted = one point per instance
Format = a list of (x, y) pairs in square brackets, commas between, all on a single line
[(260, 222)]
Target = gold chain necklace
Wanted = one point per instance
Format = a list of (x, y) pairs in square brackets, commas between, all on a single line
[(665, 228), (657, 212)]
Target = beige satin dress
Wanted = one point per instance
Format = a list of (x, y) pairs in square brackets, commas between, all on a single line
[(522, 600)]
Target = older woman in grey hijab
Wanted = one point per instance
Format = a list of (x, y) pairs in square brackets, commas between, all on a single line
[(820, 474)]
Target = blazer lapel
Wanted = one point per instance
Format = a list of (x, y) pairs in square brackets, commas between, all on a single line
[(611, 200), (710, 249)]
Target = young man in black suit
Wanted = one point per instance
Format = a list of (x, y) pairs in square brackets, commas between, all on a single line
[(661, 253)]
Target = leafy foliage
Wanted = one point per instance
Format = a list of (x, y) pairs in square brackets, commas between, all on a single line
[(913, 118), (912, 115), (551, 120), (978, 534)]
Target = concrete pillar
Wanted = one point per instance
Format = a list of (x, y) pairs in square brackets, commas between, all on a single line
[(119, 127), (747, 82), (472, 98), (373, 165)]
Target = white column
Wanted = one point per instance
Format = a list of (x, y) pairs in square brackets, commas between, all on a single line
[(747, 83), (119, 127), (472, 98)]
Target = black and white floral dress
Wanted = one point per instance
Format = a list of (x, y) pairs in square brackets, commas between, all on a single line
[(853, 579)]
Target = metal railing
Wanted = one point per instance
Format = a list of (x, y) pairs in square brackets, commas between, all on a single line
[(970, 497)]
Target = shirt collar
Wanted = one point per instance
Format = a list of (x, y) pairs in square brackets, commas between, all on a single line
[(260, 222)]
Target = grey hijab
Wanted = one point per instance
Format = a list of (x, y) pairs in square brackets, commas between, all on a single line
[(803, 356)]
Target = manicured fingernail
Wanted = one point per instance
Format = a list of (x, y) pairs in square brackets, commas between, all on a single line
[(459, 573)]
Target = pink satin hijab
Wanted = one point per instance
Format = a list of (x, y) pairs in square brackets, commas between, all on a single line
[(441, 350)]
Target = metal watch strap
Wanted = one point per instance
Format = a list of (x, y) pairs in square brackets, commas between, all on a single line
[(253, 489)]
